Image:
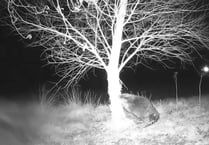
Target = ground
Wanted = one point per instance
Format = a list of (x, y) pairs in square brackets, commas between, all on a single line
[(181, 123)]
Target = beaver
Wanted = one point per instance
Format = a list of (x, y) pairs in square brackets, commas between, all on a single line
[(139, 109)]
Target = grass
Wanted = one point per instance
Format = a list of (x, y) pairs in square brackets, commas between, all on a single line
[(82, 121)]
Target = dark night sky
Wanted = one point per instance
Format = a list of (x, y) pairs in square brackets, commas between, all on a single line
[(22, 71), (21, 67)]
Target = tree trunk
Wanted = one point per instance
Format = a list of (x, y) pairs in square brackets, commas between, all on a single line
[(113, 73), (114, 91)]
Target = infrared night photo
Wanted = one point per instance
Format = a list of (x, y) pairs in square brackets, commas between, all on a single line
[(104, 72)]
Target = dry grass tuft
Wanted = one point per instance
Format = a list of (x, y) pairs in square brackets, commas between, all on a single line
[(82, 121)]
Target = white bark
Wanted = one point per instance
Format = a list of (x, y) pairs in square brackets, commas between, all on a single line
[(113, 73), (114, 91)]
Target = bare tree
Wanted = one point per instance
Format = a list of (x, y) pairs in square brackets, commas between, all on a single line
[(111, 34)]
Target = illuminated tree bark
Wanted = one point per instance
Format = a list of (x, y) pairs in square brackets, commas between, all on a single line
[(114, 86)]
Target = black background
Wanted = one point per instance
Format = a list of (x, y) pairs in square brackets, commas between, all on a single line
[(23, 71)]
